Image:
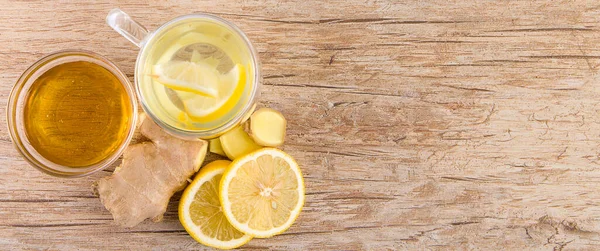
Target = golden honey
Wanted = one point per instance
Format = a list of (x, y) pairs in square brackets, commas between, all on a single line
[(77, 114)]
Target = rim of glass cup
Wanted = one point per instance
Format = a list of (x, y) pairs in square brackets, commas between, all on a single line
[(18, 96), (235, 120)]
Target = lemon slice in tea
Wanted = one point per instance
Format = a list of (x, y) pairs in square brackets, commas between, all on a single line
[(230, 88), (195, 77)]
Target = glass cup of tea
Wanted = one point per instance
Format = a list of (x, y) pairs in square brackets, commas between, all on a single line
[(197, 76)]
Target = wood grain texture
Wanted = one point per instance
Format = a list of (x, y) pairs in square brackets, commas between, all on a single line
[(438, 125)]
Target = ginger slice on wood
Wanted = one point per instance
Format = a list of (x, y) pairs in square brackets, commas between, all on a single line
[(267, 127), (214, 146), (237, 143), (151, 172)]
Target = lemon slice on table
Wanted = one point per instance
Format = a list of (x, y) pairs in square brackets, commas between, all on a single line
[(229, 90), (200, 210), (262, 193), (195, 77)]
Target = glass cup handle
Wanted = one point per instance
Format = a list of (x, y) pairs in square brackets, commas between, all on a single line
[(126, 26)]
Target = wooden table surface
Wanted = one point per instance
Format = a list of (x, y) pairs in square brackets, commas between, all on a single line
[(441, 125)]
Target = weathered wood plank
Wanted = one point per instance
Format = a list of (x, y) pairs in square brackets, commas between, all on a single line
[(418, 124)]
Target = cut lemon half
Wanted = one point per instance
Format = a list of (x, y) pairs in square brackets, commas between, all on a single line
[(262, 193), (195, 77), (200, 210)]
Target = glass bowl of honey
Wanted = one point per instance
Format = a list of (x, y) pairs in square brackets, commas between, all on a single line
[(72, 113)]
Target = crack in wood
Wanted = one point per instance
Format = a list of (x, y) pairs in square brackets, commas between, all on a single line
[(384, 21), (560, 156), (339, 153), (346, 103), (252, 247), (34, 200), (307, 232), (52, 225), (99, 219), (427, 22), (350, 228), (504, 61), (564, 57), (468, 88), (163, 231), (319, 192), (374, 94), (233, 14), (464, 223), (279, 76), (283, 21), (543, 29), (360, 198), (329, 48), (313, 86), (461, 65), (469, 179), (81, 196), (393, 44), (349, 179)]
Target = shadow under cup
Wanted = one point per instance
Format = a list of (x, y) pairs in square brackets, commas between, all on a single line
[(16, 112)]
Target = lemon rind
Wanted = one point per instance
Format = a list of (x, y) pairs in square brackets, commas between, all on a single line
[(187, 197), (226, 204)]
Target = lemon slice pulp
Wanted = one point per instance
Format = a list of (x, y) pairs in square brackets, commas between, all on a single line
[(262, 193), (195, 77), (200, 210), (229, 90)]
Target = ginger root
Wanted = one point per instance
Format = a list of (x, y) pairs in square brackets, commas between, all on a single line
[(267, 127), (151, 172)]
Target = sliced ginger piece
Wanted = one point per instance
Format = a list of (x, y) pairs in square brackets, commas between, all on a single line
[(215, 147), (151, 172), (237, 143), (267, 127)]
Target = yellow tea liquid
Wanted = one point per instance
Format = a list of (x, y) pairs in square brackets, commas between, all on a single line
[(77, 114), (205, 44)]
